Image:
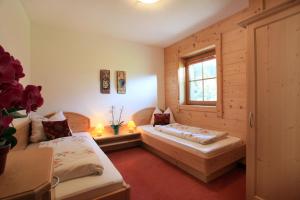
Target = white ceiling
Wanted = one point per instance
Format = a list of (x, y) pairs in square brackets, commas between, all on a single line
[(159, 24)]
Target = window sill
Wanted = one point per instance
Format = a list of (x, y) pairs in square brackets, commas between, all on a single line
[(198, 108)]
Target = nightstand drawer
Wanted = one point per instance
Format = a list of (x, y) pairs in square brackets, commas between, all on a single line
[(117, 142)]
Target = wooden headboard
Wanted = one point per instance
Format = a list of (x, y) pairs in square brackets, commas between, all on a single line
[(143, 117), (77, 122)]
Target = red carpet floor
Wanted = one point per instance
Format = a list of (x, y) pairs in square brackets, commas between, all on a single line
[(152, 178)]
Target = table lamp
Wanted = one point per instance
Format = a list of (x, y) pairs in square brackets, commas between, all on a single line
[(99, 129), (131, 126)]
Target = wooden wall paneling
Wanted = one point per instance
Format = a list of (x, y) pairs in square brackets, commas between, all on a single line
[(234, 55), (219, 57), (234, 83), (273, 3)]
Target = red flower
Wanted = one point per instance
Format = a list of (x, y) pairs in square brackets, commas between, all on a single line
[(1, 50), (18, 69), (7, 71), (11, 96), (5, 121), (32, 98), (10, 68)]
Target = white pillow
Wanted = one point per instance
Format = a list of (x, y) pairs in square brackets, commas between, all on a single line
[(59, 116), (37, 129), (169, 111), (156, 111)]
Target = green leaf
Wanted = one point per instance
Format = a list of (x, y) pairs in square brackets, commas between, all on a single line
[(6, 112), (12, 141), (2, 141), (17, 115), (11, 110), (8, 132)]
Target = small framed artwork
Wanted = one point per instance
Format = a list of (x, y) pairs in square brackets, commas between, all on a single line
[(121, 82), (105, 81)]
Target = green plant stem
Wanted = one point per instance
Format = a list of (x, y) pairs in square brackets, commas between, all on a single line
[(120, 115), (5, 110), (112, 113)]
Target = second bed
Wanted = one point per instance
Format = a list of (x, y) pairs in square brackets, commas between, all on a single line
[(205, 162)]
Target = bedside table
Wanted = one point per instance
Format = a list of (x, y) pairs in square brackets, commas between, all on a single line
[(27, 175), (110, 142)]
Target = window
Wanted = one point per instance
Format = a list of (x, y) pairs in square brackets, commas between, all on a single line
[(201, 85), (200, 80)]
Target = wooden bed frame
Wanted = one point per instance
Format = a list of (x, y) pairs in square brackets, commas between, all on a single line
[(77, 123), (205, 169), (81, 123)]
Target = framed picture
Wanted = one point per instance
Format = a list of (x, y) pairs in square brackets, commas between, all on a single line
[(105, 81), (121, 82)]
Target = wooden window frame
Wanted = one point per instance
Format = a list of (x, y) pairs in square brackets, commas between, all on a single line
[(213, 42), (208, 55)]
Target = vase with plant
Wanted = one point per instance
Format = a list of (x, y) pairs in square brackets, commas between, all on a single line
[(13, 98), (116, 124)]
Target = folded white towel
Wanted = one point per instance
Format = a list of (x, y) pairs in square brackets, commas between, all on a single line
[(74, 157)]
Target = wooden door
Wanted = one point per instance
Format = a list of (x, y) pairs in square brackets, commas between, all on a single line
[(273, 143)]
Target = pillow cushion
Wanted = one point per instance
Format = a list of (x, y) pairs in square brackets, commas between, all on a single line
[(37, 130), (56, 129), (156, 111), (59, 116), (169, 111), (161, 119)]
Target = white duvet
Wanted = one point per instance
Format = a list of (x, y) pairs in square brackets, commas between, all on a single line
[(195, 134), (74, 157)]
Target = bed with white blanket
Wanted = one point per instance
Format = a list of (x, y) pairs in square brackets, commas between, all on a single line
[(205, 154), (85, 172)]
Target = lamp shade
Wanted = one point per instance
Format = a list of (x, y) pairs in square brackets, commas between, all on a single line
[(131, 125), (99, 129)]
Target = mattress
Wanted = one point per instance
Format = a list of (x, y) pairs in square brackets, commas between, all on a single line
[(90, 187), (205, 151)]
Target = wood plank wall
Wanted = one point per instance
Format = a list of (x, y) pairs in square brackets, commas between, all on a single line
[(234, 57)]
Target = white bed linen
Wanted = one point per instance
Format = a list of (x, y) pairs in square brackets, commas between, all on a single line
[(205, 151), (194, 134), (109, 181)]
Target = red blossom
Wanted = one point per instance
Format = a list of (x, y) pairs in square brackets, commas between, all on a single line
[(1, 50), (11, 96), (18, 69), (7, 71), (32, 98), (10, 68)]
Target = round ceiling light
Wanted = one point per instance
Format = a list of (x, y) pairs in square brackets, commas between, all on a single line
[(148, 1)]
